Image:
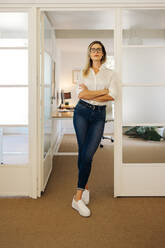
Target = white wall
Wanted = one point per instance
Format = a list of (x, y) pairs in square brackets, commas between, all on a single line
[(70, 61)]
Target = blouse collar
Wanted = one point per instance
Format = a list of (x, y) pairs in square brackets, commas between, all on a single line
[(100, 68)]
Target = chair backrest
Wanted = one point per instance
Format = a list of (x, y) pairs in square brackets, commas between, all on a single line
[(110, 111)]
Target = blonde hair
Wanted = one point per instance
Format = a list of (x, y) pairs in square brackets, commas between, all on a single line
[(89, 60)]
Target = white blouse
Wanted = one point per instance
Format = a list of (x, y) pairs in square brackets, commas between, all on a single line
[(104, 78)]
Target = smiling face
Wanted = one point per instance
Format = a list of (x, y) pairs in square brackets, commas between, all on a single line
[(96, 52)]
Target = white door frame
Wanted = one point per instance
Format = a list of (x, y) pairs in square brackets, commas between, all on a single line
[(33, 101), (34, 172), (117, 105)]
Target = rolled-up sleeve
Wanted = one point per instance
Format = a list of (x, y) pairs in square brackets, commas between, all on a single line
[(114, 85)]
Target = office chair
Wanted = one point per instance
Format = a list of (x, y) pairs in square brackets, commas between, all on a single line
[(109, 118)]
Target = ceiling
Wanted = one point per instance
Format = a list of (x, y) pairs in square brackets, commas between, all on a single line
[(105, 19), (83, 19)]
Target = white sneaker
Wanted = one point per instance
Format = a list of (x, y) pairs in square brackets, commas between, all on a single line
[(85, 196), (81, 207)]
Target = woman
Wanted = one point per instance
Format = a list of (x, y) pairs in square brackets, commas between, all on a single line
[(97, 86)]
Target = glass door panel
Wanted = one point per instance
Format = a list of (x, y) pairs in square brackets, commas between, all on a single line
[(143, 144), (14, 144), (143, 65), (14, 90), (13, 106), (48, 36), (47, 84), (14, 29), (17, 61), (47, 118), (143, 105), (143, 27)]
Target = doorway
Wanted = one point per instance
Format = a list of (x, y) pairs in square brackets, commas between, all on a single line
[(132, 39), (73, 31)]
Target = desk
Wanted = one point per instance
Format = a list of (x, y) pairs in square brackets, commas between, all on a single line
[(62, 116)]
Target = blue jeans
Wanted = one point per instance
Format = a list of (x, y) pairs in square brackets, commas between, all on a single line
[(89, 127)]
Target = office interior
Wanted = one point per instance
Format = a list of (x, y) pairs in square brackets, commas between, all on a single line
[(31, 91)]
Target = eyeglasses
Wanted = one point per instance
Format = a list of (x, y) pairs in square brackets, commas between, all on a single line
[(93, 50)]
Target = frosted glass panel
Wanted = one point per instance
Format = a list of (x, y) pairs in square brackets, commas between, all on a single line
[(14, 145), (48, 69), (14, 67), (47, 112), (47, 136), (13, 106), (13, 29), (48, 36), (47, 120), (143, 65), (13, 42), (143, 105), (143, 27), (47, 102)]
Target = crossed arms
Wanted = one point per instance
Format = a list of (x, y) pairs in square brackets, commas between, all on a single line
[(97, 95)]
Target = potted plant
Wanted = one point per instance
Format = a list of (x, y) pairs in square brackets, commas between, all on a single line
[(145, 132)]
